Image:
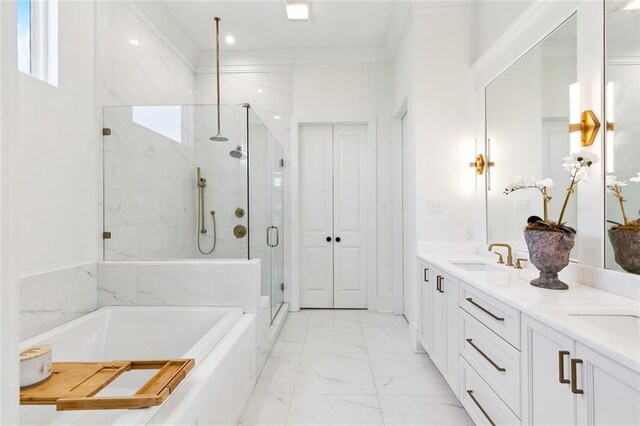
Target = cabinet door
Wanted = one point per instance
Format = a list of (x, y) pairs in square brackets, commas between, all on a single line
[(611, 392), (439, 337), (546, 389), (424, 280), (449, 287)]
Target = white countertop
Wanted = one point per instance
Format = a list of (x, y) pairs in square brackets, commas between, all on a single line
[(552, 307)]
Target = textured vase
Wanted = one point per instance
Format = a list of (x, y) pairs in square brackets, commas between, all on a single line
[(626, 247), (549, 253)]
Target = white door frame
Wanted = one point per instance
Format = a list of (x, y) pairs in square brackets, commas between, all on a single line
[(371, 205), (405, 245), (9, 290)]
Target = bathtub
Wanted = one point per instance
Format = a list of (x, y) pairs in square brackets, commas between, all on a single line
[(221, 340)]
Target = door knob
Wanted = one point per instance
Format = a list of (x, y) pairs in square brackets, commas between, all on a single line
[(337, 239), (328, 239)]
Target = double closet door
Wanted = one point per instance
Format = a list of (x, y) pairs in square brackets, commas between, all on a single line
[(334, 216)]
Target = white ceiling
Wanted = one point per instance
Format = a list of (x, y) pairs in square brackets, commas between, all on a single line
[(264, 25)]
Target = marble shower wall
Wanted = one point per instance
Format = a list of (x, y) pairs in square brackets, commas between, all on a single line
[(270, 95), (137, 66), (151, 196), (149, 189)]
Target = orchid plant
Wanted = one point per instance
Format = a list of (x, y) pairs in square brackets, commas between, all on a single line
[(615, 186), (541, 185), (576, 164)]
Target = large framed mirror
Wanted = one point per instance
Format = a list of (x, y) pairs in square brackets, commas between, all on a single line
[(527, 135), (622, 142)]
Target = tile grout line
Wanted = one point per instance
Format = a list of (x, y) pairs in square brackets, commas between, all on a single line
[(295, 380), (373, 376)]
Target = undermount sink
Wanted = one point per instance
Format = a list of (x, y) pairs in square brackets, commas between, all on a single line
[(475, 266), (619, 322)]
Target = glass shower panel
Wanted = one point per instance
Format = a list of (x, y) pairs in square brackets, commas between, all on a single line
[(266, 203), (277, 220), (154, 207)]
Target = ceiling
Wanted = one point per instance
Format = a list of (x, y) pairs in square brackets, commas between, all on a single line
[(264, 25)]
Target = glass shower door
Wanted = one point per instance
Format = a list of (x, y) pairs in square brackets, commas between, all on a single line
[(276, 243)]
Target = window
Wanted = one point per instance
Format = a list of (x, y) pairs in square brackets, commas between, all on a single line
[(38, 39), (164, 120)]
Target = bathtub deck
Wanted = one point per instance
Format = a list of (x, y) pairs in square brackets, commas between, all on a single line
[(349, 367)]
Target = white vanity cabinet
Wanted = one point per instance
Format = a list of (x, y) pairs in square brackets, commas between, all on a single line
[(439, 330), (565, 382), (509, 368), (424, 282)]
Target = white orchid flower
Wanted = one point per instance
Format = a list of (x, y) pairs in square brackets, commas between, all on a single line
[(544, 183), (635, 179), (613, 181)]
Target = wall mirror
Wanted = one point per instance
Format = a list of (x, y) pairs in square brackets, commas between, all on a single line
[(622, 142), (527, 121)]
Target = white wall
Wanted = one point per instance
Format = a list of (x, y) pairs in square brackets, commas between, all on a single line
[(490, 20), (56, 180), (57, 155), (358, 93), (432, 68), (432, 76), (9, 288)]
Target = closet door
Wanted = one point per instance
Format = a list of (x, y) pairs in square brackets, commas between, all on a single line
[(350, 254), (316, 196)]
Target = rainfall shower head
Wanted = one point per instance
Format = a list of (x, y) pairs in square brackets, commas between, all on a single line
[(218, 138), (238, 153)]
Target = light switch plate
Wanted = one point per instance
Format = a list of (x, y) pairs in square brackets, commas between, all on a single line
[(436, 205), (523, 205)]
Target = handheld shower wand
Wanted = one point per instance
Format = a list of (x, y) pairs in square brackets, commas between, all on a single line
[(202, 184)]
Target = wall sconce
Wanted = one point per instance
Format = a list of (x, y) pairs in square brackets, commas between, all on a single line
[(478, 164), (588, 127), (584, 123), (609, 135)]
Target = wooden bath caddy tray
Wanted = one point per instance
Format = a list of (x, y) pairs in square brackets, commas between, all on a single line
[(73, 385)]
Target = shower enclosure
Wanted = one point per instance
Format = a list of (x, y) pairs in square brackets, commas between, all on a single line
[(169, 192)]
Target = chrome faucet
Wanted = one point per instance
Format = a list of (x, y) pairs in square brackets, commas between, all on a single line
[(509, 251)]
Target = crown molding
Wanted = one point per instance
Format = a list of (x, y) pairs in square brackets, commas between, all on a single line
[(157, 19), (537, 21), (244, 69), (623, 60)]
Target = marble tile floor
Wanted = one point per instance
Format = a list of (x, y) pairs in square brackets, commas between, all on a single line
[(348, 367)]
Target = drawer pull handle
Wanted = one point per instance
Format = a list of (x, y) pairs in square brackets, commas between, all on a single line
[(440, 286), (426, 271), (561, 355), (483, 309), (438, 282), (496, 366), (470, 392), (574, 376)]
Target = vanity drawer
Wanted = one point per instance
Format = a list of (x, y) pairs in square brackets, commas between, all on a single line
[(496, 361), (499, 317), (483, 405)]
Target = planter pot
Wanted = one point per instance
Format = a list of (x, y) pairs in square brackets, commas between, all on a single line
[(549, 253), (626, 247)]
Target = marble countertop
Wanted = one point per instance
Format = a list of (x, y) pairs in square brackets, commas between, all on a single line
[(553, 307)]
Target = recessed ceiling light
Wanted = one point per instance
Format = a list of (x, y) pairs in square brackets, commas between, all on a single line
[(259, 90), (229, 39), (135, 42), (297, 11), (276, 117), (633, 5)]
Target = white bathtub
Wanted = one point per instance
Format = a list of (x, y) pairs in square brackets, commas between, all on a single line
[(221, 340)]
